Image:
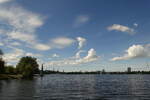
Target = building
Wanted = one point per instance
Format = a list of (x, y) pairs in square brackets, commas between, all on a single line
[(103, 71), (129, 69)]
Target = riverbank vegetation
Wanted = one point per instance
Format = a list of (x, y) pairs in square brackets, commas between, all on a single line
[(25, 69)]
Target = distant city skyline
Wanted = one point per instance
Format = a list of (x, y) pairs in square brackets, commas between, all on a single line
[(74, 35)]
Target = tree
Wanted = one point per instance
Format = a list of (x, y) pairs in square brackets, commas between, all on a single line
[(2, 66), (10, 70), (27, 66), (2, 63)]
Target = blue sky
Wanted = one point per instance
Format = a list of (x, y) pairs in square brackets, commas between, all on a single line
[(75, 35)]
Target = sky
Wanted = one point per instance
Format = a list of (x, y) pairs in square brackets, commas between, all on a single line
[(77, 35)]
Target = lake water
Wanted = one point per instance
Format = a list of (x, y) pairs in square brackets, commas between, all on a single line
[(78, 87)]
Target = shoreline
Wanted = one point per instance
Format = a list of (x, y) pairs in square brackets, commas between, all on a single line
[(19, 76), (6, 76)]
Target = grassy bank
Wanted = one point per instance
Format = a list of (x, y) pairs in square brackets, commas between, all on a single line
[(5, 76)]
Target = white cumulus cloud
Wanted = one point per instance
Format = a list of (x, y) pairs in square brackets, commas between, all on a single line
[(1, 44), (21, 25), (55, 55), (90, 57), (82, 42), (78, 53), (61, 42), (121, 28), (41, 47), (4, 1), (135, 24), (14, 55), (135, 51)]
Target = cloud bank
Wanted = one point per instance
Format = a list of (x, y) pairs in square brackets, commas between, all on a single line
[(19, 24), (90, 57), (15, 54), (18, 30)]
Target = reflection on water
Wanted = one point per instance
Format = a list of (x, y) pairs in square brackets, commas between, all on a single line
[(78, 87)]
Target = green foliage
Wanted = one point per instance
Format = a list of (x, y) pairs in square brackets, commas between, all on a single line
[(2, 66), (27, 66), (29, 71), (10, 70), (2, 63)]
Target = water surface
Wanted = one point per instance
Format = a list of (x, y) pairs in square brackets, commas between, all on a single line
[(78, 87)]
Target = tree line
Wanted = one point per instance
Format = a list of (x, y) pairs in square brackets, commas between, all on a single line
[(26, 67)]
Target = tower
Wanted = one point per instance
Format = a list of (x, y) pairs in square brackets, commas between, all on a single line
[(129, 69), (41, 73)]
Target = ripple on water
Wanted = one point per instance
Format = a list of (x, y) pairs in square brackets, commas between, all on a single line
[(78, 87)]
